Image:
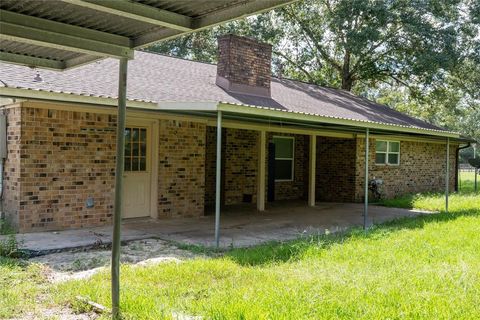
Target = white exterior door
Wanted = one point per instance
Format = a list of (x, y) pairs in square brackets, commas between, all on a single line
[(137, 172)]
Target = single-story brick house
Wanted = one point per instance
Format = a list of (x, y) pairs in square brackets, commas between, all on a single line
[(281, 139)]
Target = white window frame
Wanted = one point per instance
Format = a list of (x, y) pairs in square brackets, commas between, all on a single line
[(387, 153), (292, 159)]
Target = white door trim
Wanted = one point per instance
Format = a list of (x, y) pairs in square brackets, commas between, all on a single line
[(152, 140)]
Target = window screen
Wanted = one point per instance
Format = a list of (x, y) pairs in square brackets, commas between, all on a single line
[(284, 150)]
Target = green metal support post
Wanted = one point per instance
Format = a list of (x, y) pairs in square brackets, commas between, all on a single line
[(365, 210), (447, 175), (119, 166), (218, 183)]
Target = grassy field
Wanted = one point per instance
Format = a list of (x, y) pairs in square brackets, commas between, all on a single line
[(424, 268), (21, 287), (466, 181)]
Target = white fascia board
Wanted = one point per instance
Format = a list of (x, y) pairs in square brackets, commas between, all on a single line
[(71, 97), (188, 106), (8, 92), (290, 115)]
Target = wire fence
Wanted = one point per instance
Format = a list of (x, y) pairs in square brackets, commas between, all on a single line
[(465, 167)]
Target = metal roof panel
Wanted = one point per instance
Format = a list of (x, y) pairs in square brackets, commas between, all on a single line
[(34, 23)]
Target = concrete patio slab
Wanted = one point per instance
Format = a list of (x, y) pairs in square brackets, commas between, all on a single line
[(241, 226)]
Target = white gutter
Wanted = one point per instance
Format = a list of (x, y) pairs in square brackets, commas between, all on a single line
[(291, 115), (214, 106), (71, 97)]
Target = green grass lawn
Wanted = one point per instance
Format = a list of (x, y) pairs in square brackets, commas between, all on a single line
[(424, 268), (21, 287), (466, 181)]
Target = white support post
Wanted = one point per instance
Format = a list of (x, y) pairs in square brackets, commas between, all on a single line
[(261, 171), (218, 177), (447, 175), (365, 210), (312, 170), (119, 166)]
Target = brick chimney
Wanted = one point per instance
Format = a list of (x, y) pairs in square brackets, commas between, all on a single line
[(244, 65)]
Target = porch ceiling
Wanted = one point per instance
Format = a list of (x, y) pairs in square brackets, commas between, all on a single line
[(60, 34)]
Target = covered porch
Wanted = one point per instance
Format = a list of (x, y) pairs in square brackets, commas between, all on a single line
[(334, 164), (242, 226)]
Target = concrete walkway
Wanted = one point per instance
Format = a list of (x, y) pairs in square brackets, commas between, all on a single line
[(241, 226)]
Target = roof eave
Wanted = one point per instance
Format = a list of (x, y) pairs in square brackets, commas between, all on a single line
[(259, 111), (214, 106)]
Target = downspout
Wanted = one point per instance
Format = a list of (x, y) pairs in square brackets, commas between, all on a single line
[(3, 148), (3, 156), (457, 153), (2, 215)]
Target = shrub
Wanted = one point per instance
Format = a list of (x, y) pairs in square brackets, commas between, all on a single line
[(9, 246)]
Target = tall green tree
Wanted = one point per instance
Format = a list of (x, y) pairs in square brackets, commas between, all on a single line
[(342, 42), (418, 56)]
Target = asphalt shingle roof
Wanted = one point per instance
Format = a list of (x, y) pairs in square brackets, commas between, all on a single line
[(156, 78)]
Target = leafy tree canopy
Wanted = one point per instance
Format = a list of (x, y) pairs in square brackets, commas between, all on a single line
[(418, 56)]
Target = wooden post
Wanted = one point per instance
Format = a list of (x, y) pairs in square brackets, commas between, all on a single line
[(261, 171), (312, 170)]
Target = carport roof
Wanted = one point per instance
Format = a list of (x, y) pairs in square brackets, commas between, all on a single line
[(59, 34)]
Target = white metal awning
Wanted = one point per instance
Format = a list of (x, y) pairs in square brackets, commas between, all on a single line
[(60, 34)]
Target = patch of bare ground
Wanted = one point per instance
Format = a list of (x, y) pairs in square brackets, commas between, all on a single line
[(57, 313), (79, 264), (82, 264)]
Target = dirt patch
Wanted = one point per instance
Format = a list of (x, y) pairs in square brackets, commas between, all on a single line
[(58, 313), (80, 264)]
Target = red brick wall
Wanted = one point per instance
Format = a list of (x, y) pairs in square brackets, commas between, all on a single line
[(241, 154), (244, 61), (181, 168), (335, 169), (239, 167), (240, 161), (58, 159), (210, 165), (11, 170), (421, 169), (66, 157)]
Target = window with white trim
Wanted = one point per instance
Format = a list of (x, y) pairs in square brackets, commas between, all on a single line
[(387, 152), (135, 149), (284, 155)]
